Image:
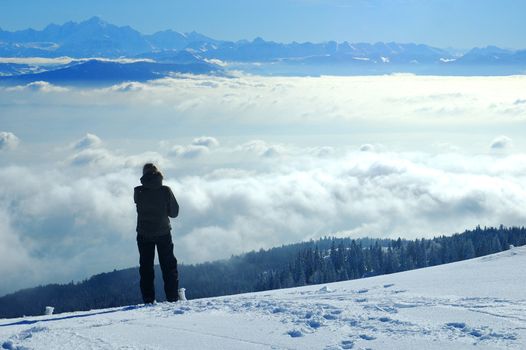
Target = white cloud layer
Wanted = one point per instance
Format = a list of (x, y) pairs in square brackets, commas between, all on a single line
[(318, 101), (78, 215), (254, 162)]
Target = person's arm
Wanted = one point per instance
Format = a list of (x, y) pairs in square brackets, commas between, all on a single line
[(173, 206), (135, 194)]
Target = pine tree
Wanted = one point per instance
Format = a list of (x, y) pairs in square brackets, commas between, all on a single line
[(468, 249)]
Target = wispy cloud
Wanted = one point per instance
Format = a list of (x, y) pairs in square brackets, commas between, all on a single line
[(88, 141), (8, 141), (501, 143), (198, 147), (42, 86)]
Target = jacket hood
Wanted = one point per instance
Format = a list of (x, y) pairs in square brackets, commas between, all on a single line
[(152, 180)]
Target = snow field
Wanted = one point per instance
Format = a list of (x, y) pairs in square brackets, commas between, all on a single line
[(474, 304)]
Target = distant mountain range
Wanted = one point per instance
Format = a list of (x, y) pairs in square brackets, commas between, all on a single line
[(96, 72), (95, 38), (91, 38)]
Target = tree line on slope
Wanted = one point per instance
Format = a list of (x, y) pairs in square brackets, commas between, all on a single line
[(349, 259), (321, 261)]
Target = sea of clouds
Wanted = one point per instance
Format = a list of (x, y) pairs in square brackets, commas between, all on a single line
[(254, 162)]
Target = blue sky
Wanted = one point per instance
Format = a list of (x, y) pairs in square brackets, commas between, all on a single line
[(443, 23)]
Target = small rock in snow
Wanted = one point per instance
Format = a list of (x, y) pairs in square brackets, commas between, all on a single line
[(295, 333)]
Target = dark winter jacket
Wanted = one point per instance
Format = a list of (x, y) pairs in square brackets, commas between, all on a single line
[(155, 203)]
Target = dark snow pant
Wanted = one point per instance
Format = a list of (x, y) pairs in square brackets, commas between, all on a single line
[(168, 264)]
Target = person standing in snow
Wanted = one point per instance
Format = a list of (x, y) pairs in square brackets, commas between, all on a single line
[(155, 204)]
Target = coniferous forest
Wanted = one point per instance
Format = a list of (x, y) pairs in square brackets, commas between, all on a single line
[(322, 261)]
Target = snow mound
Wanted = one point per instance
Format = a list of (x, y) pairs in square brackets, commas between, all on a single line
[(478, 303)]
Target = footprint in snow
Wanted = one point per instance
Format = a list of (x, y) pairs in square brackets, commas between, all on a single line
[(347, 344), (481, 334), (354, 323), (278, 310), (330, 317), (476, 333), (384, 308), (367, 337), (389, 320), (9, 345), (295, 333), (458, 325), (314, 324), (28, 333), (181, 310), (399, 291)]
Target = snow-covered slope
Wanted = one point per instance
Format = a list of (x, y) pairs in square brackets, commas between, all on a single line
[(475, 304)]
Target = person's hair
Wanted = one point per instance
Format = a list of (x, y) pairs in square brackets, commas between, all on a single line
[(150, 168)]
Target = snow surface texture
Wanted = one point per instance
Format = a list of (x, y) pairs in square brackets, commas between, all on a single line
[(474, 304)]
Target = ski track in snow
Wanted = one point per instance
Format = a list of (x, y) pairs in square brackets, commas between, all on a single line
[(376, 313)]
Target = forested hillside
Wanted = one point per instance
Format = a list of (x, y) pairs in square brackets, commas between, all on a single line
[(321, 261)]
